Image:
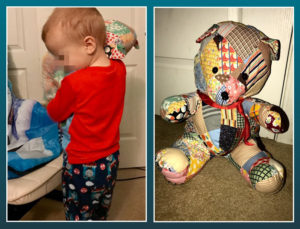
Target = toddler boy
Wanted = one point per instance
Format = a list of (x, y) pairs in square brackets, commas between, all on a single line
[(94, 94)]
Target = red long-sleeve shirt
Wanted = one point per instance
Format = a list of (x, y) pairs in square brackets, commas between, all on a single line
[(95, 96)]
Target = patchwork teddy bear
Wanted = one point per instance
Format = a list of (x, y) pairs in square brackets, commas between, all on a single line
[(222, 119)]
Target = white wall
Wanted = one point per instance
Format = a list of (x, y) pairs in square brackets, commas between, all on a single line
[(176, 30)]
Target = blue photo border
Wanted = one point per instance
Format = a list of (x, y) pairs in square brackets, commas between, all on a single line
[(150, 4)]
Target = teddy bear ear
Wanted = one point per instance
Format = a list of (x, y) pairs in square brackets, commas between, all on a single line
[(274, 46), (208, 33)]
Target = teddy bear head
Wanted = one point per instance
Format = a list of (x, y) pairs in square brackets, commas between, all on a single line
[(120, 38), (234, 61)]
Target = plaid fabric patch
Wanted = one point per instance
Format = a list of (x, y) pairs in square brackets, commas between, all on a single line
[(263, 160), (240, 124), (244, 41), (261, 172)]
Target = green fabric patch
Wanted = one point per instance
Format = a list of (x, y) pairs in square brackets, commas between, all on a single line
[(261, 172)]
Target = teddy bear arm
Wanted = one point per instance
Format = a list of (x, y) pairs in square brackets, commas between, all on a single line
[(178, 108), (270, 116)]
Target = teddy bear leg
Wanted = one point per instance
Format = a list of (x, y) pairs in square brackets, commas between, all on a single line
[(184, 160), (261, 171)]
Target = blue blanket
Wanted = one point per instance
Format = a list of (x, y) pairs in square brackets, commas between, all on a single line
[(33, 138)]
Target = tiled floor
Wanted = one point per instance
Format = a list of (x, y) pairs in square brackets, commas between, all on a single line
[(128, 201)]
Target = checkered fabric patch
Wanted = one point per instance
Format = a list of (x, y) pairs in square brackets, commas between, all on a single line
[(244, 41), (263, 160), (240, 124), (261, 172), (240, 121)]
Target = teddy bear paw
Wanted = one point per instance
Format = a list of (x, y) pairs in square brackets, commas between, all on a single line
[(174, 164)]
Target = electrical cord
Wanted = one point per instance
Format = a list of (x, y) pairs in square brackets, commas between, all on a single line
[(140, 168), (132, 178)]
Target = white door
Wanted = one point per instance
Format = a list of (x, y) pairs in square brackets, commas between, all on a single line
[(176, 30), (25, 52)]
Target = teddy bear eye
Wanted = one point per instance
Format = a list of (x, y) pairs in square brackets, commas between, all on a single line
[(215, 70), (244, 76)]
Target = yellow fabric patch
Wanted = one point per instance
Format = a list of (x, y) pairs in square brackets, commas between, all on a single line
[(175, 106), (254, 112), (196, 164), (229, 117), (277, 118), (209, 59)]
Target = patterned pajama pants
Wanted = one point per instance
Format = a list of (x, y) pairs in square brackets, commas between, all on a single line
[(87, 188)]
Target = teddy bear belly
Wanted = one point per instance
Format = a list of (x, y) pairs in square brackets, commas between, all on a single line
[(222, 134)]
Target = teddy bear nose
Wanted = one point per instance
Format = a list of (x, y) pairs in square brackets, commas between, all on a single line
[(224, 95)]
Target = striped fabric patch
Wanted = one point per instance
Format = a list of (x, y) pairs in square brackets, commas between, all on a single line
[(209, 111), (256, 68), (225, 29), (257, 159), (212, 117), (229, 117)]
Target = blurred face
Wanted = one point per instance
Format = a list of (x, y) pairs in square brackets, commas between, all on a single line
[(69, 53)]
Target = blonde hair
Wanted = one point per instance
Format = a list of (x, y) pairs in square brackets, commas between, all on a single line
[(77, 23)]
